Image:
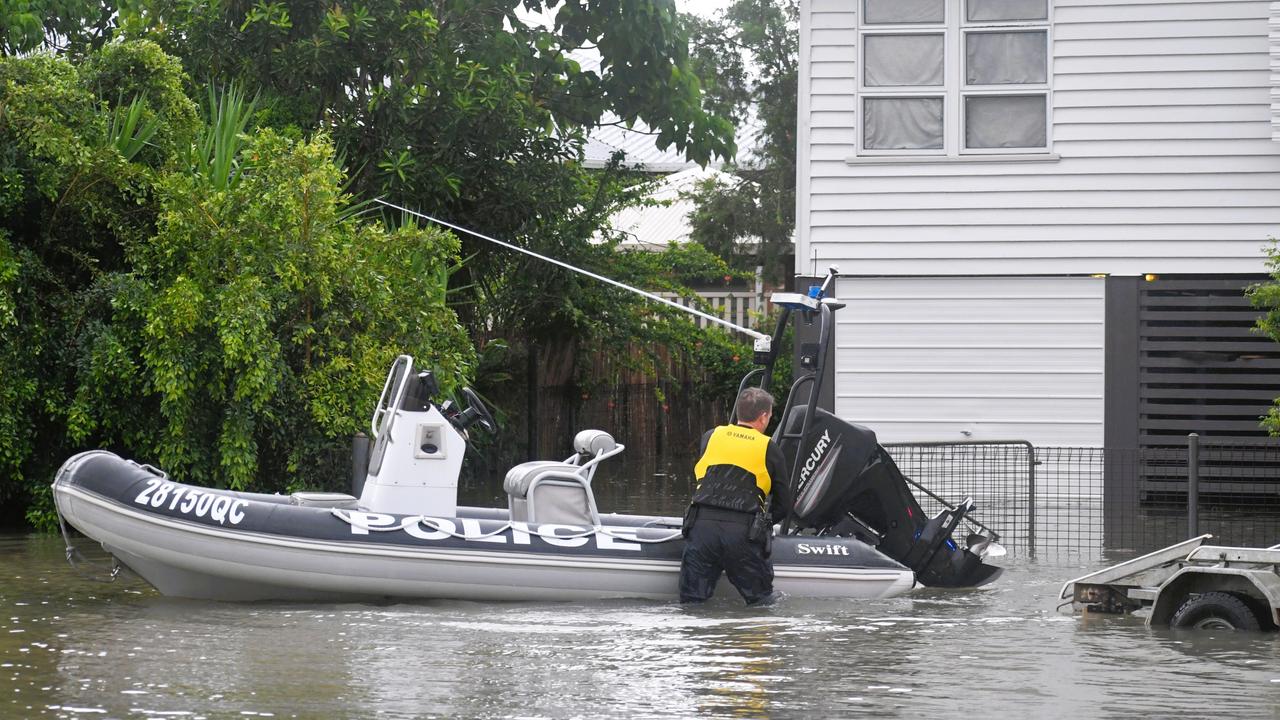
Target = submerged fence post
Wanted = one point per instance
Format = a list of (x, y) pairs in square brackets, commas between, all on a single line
[(1031, 499), (531, 402), (359, 462), (1193, 485)]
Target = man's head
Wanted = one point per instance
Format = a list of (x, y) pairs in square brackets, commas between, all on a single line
[(754, 407)]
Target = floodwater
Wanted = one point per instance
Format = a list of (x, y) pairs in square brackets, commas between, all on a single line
[(73, 648)]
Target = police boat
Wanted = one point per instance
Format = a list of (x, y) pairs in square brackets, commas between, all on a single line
[(405, 536), (855, 531)]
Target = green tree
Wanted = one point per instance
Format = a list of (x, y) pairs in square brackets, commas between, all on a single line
[(160, 299), (471, 112), (449, 103), (467, 109), (75, 173), (267, 315), (27, 25), (205, 299), (749, 57)]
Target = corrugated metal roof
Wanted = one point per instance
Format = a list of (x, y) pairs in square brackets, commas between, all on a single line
[(637, 145), (641, 151), (654, 227)]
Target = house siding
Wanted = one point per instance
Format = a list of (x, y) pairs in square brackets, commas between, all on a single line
[(1274, 43), (1163, 157), (972, 358)]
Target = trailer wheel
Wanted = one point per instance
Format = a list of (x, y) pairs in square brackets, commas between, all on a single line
[(1215, 611)]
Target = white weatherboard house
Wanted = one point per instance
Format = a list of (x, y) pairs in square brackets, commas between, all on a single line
[(1047, 210)]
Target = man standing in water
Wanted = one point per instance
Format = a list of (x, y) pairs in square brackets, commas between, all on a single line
[(742, 491)]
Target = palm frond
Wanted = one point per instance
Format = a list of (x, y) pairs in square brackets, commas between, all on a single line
[(216, 153), (130, 129)]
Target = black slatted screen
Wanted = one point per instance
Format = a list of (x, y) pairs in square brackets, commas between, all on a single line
[(1203, 369)]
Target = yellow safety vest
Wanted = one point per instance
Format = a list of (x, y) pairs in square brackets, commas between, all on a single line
[(732, 471)]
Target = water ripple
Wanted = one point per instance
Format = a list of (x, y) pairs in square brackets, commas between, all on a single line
[(73, 649)]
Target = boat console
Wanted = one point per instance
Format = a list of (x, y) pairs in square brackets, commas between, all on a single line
[(418, 445)]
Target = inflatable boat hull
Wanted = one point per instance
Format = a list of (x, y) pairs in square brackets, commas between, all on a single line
[(219, 545)]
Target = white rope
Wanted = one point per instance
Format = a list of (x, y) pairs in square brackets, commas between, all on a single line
[(567, 266), (435, 525)]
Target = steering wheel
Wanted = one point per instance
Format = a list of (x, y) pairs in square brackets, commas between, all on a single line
[(476, 412)]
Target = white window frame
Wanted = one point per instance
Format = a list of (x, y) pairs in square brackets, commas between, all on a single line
[(955, 88), (866, 92)]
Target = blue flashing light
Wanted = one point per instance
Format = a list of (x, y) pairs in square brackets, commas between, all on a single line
[(815, 291)]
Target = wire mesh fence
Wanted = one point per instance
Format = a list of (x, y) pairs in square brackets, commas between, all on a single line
[(1082, 500), (1052, 501), (999, 476)]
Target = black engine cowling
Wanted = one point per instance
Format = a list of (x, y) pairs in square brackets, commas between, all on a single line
[(847, 484)]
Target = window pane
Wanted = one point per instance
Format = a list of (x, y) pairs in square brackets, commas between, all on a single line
[(902, 123), (1002, 58), (903, 11), (1005, 121), (893, 60), (997, 10)]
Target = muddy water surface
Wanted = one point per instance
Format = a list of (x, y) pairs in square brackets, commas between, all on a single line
[(70, 647)]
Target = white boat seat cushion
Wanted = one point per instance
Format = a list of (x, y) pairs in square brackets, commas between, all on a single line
[(593, 442)]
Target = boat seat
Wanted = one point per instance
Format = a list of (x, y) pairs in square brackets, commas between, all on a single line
[(550, 491)]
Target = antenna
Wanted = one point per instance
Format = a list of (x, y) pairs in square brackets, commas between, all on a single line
[(762, 342)]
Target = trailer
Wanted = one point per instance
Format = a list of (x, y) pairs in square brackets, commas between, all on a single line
[(1188, 585)]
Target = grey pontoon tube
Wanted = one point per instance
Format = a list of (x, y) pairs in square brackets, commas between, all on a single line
[(436, 525), (762, 342)]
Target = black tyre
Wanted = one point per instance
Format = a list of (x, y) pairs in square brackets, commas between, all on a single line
[(1215, 611)]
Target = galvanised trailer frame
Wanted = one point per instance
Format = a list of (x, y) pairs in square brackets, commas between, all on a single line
[(1190, 585)]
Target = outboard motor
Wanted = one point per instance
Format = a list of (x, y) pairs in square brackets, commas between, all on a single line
[(847, 484), (844, 482)]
